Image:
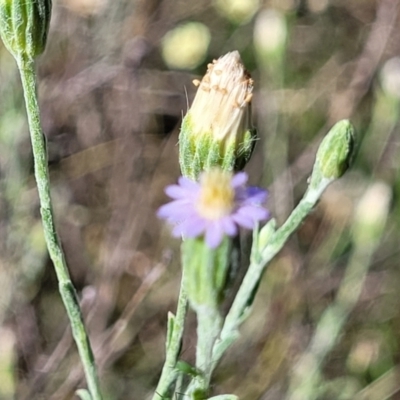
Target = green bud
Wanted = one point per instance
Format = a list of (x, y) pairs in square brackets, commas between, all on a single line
[(334, 154), (266, 233), (24, 25), (217, 129)]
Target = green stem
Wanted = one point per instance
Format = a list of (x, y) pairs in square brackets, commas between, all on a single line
[(237, 313), (174, 340), (206, 270), (209, 324), (66, 288)]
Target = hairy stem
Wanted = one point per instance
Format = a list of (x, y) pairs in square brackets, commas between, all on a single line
[(66, 288), (237, 313)]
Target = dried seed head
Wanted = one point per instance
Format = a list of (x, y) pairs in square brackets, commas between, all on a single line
[(217, 129), (222, 103)]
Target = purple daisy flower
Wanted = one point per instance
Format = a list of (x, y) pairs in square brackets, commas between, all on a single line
[(215, 206)]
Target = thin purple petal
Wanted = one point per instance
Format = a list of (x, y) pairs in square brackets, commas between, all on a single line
[(188, 183), (243, 221), (177, 192), (229, 226), (214, 235), (190, 227), (241, 195), (176, 210), (193, 227), (254, 212), (239, 179), (256, 195)]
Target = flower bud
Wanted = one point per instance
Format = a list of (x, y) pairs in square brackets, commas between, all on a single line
[(334, 154), (24, 25), (217, 129), (265, 234)]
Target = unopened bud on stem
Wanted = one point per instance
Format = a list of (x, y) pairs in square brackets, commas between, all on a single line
[(334, 154), (24, 25), (217, 129)]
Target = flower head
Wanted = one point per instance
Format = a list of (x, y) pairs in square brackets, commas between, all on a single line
[(222, 103), (217, 129), (215, 206)]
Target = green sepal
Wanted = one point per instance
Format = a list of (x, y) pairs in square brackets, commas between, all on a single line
[(245, 149), (200, 151), (24, 25)]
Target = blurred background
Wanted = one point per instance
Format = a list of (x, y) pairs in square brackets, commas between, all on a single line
[(114, 83)]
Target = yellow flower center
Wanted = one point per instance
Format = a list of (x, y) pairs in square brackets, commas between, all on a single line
[(216, 194)]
